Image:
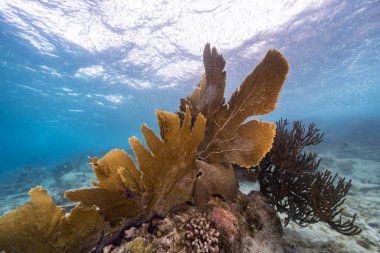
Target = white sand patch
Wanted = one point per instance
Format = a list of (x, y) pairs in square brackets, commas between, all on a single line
[(363, 199)]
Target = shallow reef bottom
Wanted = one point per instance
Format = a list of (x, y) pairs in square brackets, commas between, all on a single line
[(249, 224)]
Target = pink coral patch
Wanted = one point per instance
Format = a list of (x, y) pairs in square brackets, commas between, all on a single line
[(226, 220)]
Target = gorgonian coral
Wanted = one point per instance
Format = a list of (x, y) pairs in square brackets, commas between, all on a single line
[(228, 136), (163, 179), (289, 178), (42, 226), (172, 170)]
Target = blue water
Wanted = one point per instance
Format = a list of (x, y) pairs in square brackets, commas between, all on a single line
[(49, 113), (79, 78)]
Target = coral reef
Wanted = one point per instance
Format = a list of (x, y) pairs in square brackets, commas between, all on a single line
[(21, 180), (258, 228), (289, 178), (182, 194)]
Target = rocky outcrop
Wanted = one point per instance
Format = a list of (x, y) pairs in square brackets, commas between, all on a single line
[(248, 224)]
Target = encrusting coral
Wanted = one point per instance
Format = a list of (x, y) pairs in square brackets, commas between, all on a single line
[(41, 226), (216, 180), (226, 220)]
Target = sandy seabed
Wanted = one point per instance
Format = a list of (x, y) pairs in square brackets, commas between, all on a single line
[(363, 199)]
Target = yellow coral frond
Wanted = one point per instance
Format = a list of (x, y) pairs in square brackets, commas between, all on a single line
[(114, 205), (106, 169), (42, 226), (209, 94), (164, 176), (168, 168), (227, 138), (247, 147), (116, 173)]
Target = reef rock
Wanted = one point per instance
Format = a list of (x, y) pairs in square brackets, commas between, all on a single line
[(214, 180), (248, 225)]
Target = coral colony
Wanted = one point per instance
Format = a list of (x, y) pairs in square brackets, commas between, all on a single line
[(189, 200)]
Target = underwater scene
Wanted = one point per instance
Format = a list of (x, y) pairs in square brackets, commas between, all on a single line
[(190, 126)]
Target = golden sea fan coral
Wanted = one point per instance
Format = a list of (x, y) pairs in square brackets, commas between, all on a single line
[(165, 174), (109, 193), (169, 169), (228, 137), (41, 226)]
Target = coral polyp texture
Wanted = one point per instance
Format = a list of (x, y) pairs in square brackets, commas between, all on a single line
[(201, 235), (181, 193), (225, 220)]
